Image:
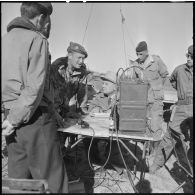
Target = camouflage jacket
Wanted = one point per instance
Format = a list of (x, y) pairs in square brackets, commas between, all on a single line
[(101, 103)]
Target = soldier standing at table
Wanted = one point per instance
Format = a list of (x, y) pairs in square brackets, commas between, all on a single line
[(182, 80), (155, 72), (67, 76), (29, 124)]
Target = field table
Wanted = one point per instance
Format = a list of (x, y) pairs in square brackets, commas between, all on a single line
[(99, 128)]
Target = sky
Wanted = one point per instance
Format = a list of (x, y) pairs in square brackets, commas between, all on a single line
[(166, 27)]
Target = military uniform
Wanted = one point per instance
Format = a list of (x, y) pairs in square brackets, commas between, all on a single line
[(182, 80), (154, 72), (66, 83), (100, 104), (33, 148)]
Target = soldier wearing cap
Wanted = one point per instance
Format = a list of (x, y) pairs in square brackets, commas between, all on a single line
[(68, 73), (182, 123), (29, 121), (68, 76), (103, 101), (155, 72)]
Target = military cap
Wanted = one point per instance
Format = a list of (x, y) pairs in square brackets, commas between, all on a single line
[(47, 6), (190, 50), (109, 76), (142, 46), (77, 48)]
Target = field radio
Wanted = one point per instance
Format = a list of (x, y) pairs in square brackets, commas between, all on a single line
[(131, 109)]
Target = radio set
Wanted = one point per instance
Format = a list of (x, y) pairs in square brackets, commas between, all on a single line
[(130, 111)]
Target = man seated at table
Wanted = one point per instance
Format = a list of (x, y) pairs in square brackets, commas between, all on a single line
[(105, 98), (103, 102)]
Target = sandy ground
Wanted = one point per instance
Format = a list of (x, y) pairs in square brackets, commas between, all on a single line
[(108, 180)]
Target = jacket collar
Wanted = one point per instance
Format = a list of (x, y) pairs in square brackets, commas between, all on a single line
[(21, 22), (148, 61), (187, 68)]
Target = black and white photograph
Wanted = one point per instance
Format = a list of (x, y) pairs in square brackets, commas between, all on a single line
[(97, 97)]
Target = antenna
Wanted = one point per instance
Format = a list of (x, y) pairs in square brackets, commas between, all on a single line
[(122, 22), (87, 23)]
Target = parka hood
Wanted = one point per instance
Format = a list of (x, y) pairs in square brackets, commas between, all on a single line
[(21, 22)]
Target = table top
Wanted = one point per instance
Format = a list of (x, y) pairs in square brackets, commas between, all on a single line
[(99, 128)]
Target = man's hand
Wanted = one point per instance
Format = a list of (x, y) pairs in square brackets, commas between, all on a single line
[(7, 128)]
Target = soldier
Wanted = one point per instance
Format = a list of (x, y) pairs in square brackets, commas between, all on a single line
[(104, 99), (29, 124), (182, 80), (68, 74), (94, 87), (155, 72), (103, 102)]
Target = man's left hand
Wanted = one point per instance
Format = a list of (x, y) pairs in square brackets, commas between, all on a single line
[(7, 128)]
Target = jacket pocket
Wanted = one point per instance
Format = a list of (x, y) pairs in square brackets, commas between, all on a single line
[(158, 93), (153, 73)]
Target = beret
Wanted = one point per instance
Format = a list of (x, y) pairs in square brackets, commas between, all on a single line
[(47, 6), (190, 50), (142, 46), (77, 48)]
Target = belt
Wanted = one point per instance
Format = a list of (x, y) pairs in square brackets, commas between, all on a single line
[(187, 101)]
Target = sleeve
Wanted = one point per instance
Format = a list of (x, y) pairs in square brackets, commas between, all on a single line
[(162, 68), (173, 79), (32, 93)]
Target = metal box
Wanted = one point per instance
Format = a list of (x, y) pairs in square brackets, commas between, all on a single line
[(132, 107)]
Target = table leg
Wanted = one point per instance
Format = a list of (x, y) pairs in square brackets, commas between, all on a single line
[(142, 174), (78, 141), (134, 161), (128, 172), (131, 153), (175, 190)]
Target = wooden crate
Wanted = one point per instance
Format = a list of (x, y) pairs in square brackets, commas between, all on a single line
[(12, 185)]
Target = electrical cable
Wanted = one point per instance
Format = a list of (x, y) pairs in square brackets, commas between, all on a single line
[(115, 181), (116, 128), (129, 176), (107, 188), (103, 179), (111, 138), (102, 167), (90, 149)]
